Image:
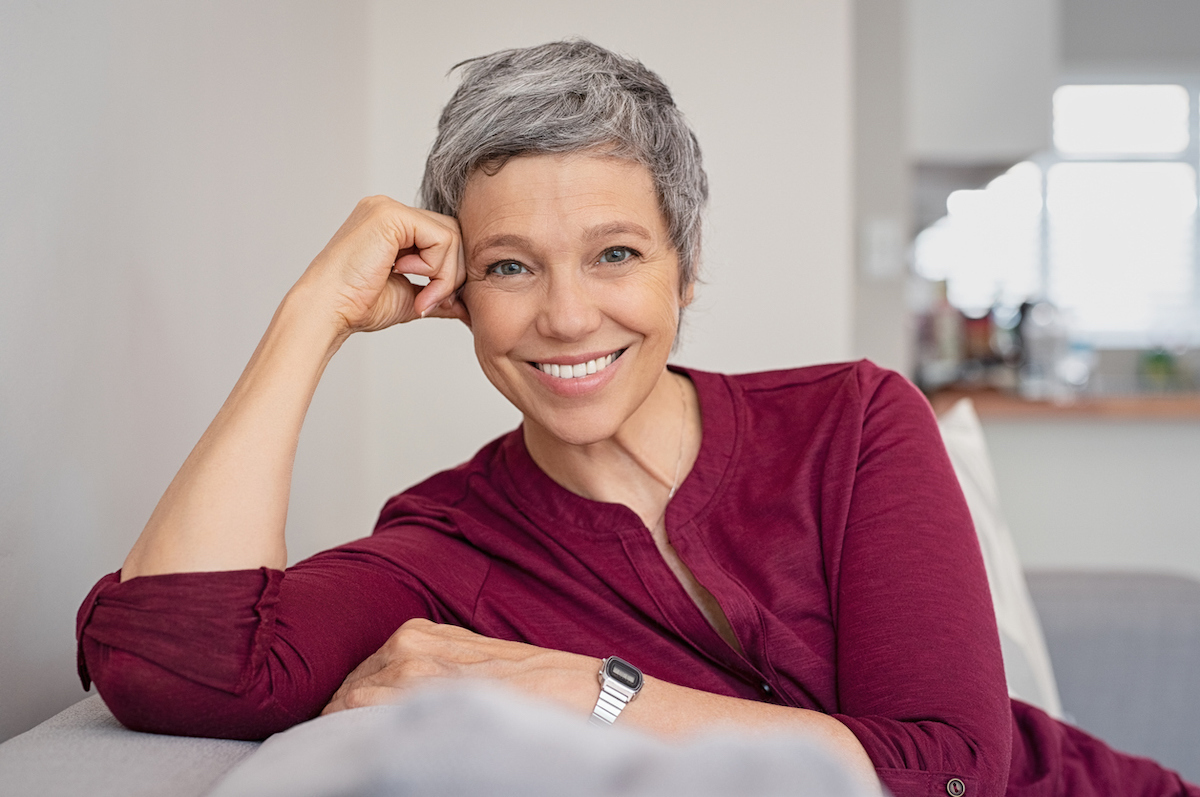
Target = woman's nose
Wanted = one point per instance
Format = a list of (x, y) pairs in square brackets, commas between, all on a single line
[(569, 311)]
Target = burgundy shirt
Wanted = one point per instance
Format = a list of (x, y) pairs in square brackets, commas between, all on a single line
[(822, 513)]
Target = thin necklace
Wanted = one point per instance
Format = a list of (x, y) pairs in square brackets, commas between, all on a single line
[(682, 426)]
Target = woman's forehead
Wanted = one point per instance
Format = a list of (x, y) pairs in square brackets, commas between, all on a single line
[(580, 194)]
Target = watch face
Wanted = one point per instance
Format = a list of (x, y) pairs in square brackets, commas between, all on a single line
[(624, 673)]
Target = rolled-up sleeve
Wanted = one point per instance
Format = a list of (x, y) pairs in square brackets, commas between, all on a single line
[(240, 654)]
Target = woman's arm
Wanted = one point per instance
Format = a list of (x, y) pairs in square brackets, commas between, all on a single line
[(920, 678), (226, 508), (421, 651)]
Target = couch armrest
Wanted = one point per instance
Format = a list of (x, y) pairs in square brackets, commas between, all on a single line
[(83, 750), (1126, 653)]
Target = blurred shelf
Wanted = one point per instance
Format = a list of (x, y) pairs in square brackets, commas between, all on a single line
[(997, 405)]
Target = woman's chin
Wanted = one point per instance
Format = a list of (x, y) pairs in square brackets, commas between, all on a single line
[(573, 431)]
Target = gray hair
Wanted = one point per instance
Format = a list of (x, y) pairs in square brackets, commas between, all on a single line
[(570, 96)]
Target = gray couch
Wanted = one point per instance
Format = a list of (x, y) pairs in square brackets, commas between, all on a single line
[(1125, 649), (1126, 654)]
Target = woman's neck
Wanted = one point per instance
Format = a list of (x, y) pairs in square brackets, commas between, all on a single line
[(642, 464)]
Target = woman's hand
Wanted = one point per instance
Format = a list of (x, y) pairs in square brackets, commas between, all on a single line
[(361, 271), (422, 651)]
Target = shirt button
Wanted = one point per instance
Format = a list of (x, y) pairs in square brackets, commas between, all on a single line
[(766, 688), (955, 787)]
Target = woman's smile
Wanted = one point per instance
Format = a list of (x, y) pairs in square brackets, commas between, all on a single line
[(576, 367), (576, 376)]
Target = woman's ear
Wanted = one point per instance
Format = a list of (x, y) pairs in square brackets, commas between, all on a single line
[(687, 294), (461, 311)]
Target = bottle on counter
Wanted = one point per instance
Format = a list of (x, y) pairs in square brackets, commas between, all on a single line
[(1045, 348), (941, 343)]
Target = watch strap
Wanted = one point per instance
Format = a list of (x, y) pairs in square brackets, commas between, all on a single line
[(609, 705), (615, 695)]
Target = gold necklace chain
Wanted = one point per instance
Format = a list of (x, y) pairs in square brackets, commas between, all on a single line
[(682, 427)]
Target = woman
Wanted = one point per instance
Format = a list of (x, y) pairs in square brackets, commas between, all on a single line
[(779, 550)]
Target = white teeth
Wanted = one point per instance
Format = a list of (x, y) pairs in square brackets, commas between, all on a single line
[(578, 369)]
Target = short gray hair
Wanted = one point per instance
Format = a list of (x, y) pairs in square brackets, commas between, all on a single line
[(570, 96)]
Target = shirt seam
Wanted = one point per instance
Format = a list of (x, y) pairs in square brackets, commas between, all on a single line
[(737, 410), (479, 593)]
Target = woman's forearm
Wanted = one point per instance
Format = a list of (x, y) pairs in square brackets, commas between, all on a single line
[(227, 507)]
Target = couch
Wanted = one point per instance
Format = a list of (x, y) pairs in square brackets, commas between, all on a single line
[(1126, 654), (1125, 649)]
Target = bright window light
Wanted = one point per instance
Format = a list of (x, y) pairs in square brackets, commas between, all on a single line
[(988, 246), (1114, 244), (1121, 120), (1121, 244)]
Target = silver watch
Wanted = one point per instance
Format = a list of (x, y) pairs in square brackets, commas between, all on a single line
[(620, 683)]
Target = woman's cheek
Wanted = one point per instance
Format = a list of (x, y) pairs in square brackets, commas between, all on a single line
[(507, 319), (649, 307)]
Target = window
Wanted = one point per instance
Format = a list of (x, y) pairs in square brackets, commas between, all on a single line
[(1104, 225), (1120, 120)]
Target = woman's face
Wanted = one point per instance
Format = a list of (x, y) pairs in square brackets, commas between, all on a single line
[(570, 269)]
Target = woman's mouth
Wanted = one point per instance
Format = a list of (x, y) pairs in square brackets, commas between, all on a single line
[(579, 369)]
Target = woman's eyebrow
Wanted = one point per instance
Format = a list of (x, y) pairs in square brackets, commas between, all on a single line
[(501, 240), (618, 228), (607, 230)]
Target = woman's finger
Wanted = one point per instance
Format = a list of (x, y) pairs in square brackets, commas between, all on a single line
[(450, 308), (409, 261), (365, 695), (442, 249)]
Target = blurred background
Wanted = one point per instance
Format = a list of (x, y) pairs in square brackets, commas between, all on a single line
[(997, 198)]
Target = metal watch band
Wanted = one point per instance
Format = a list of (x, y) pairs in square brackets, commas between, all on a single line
[(609, 705), (615, 695)]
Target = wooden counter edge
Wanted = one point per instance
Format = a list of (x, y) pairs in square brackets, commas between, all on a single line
[(994, 405)]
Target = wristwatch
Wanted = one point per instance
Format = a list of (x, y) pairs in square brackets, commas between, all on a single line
[(620, 683)]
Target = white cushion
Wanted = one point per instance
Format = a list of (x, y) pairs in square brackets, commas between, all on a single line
[(1026, 661)]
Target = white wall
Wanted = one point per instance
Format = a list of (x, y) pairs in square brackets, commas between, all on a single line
[(1101, 494), (1142, 34), (981, 74), (167, 170), (882, 184), (768, 89)]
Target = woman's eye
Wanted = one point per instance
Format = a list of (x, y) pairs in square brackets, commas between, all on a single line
[(508, 268), (618, 254)]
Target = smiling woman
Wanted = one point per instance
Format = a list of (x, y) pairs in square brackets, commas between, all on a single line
[(569, 265), (655, 546)]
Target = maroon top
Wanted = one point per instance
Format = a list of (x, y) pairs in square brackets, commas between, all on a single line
[(822, 513)]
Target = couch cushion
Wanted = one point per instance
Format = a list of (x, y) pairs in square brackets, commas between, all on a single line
[(469, 738), (1026, 661)]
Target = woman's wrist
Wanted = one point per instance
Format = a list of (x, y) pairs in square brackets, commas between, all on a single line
[(306, 310)]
